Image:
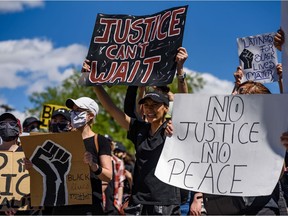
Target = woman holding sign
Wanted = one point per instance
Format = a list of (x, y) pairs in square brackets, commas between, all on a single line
[(97, 155), (150, 196)]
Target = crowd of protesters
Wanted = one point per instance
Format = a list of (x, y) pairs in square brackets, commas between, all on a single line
[(124, 183)]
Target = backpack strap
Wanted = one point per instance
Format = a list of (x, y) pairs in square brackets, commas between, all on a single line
[(96, 143)]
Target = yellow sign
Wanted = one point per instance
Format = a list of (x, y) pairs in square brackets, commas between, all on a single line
[(46, 114)]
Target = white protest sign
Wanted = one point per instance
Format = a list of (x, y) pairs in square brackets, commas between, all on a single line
[(258, 58), (226, 145), (284, 26)]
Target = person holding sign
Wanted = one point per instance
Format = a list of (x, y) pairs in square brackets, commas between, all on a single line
[(260, 87), (260, 205), (97, 155), (10, 129), (149, 194)]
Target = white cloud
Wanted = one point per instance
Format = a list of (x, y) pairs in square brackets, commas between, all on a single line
[(213, 85), (36, 64), (11, 6)]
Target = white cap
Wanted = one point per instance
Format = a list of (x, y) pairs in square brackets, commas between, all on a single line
[(84, 103)]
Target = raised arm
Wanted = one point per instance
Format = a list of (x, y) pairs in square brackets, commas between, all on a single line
[(181, 57), (122, 119)]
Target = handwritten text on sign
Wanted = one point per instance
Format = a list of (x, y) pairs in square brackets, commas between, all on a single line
[(135, 50), (222, 144), (14, 181), (258, 58)]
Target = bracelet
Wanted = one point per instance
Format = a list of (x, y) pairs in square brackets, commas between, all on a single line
[(182, 76), (98, 171)]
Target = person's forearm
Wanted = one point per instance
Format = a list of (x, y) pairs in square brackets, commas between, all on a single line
[(111, 108), (105, 174), (182, 83)]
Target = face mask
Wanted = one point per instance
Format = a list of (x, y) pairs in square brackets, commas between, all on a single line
[(78, 119), (9, 131), (59, 127), (34, 129)]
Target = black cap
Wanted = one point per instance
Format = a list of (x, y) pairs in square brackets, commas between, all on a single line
[(63, 112), (7, 115), (119, 147), (31, 120), (155, 96)]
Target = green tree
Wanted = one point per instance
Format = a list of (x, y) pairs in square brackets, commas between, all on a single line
[(104, 124)]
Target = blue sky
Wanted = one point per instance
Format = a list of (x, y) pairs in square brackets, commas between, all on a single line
[(41, 41)]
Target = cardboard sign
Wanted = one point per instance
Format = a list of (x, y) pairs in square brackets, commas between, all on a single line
[(135, 50), (258, 58), (284, 26), (60, 176), (14, 181), (46, 114), (225, 145)]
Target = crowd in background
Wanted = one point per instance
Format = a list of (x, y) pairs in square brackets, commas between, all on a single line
[(124, 183)]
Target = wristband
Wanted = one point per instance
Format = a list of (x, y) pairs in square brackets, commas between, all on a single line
[(182, 76), (98, 171)]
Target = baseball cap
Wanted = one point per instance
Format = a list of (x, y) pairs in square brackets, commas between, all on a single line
[(119, 147), (84, 103), (155, 96), (31, 120), (8, 115), (63, 112)]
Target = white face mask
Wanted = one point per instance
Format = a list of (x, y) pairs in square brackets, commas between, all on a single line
[(78, 119)]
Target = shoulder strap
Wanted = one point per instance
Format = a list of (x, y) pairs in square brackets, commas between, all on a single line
[(96, 142)]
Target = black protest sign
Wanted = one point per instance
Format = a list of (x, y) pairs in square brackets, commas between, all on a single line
[(135, 50)]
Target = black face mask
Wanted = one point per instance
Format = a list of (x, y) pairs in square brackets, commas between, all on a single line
[(9, 131), (59, 127)]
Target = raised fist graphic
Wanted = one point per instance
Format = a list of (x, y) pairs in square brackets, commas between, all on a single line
[(53, 162)]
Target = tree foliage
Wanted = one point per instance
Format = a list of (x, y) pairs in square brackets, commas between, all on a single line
[(104, 123)]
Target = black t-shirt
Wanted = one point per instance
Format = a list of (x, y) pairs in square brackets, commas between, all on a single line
[(104, 149), (147, 188), (96, 184)]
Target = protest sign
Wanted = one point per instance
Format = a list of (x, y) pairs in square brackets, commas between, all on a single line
[(135, 50), (284, 26), (59, 175), (225, 145), (258, 58), (46, 114), (14, 181)]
